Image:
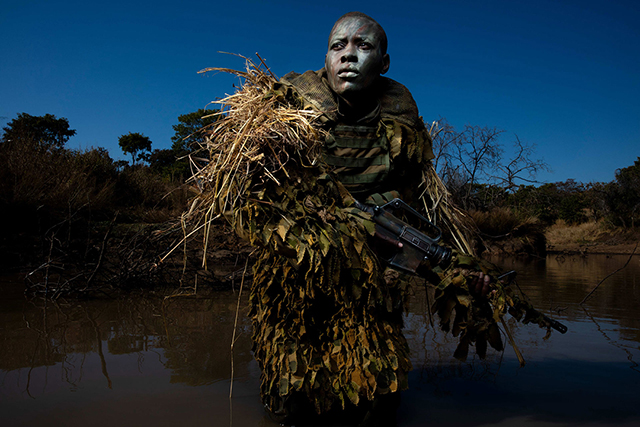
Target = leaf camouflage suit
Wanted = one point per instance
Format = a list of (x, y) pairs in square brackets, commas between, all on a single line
[(285, 163)]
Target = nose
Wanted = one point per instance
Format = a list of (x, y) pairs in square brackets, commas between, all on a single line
[(349, 54)]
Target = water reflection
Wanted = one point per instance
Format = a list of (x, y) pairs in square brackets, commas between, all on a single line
[(168, 361), (188, 335)]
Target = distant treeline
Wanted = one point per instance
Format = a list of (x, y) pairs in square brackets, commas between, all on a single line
[(473, 165), (52, 197), (615, 203), (63, 208)]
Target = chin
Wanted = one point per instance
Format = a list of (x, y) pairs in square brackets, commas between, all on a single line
[(348, 90)]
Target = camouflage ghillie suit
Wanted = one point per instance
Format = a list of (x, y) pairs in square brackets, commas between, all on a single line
[(327, 318)]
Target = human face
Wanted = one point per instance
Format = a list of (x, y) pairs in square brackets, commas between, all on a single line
[(354, 59)]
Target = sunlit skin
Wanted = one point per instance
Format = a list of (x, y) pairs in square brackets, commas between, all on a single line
[(355, 59)]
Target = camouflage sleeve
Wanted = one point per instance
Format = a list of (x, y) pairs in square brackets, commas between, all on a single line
[(410, 150), (475, 318)]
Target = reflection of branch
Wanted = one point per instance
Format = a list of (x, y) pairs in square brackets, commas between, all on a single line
[(31, 369), (428, 308), (103, 361), (235, 325), (634, 365), (233, 342), (100, 257), (611, 274)]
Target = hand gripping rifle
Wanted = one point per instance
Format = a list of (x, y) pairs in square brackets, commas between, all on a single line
[(411, 247)]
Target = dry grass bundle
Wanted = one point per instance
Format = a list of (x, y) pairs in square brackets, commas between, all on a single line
[(436, 201), (255, 138), (258, 133)]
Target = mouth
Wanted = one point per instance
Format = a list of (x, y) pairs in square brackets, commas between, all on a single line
[(348, 73)]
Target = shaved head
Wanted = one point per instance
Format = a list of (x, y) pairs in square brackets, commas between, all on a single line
[(356, 57), (378, 27)]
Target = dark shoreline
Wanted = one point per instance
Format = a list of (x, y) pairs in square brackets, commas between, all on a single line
[(594, 248)]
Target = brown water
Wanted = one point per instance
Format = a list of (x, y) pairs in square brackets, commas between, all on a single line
[(149, 361)]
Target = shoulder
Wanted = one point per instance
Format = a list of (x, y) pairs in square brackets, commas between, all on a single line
[(312, 86), (397, 103), (406, 131)]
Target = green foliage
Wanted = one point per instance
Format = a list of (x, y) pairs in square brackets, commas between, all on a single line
[(173, 164), (165, 163), (623, 196), (43, 185), (136, 144), (550, 202), (44, 132), (169, 165), (617, 201), (146, 196), (189, 130), (471, 163)]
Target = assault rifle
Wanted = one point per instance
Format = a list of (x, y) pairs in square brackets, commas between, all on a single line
[(414, 245), (406, 247)]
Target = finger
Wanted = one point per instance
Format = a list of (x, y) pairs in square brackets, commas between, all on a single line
[(486, 289), (479, 283), (486, 285)]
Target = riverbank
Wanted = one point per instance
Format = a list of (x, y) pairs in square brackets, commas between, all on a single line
[(591, 238)]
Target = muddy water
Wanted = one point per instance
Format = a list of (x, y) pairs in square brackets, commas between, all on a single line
[(167, 362)]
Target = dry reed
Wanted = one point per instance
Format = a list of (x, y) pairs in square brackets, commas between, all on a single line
[(255, 138)]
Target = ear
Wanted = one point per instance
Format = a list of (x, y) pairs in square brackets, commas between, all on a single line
[(386, 61)]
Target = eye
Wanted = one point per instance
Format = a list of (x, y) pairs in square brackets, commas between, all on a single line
[(337, 46), (365, 46)]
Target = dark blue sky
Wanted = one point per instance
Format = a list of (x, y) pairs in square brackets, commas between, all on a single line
[(563, 75)]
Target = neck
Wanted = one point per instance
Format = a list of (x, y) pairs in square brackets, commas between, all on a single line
[(358, 107)]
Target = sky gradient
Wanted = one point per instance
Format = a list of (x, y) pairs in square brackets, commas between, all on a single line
[(563, 75)]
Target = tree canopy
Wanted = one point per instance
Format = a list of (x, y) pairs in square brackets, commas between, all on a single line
[(189, 129), (136, 144), (473, 165), (188, 137), (47, 132), (625, 199)]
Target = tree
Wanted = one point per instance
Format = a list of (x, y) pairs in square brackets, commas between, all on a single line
[(520, 165), (472, 164), (168, 165), (624, 195), (189, 136), (190, 128), (136, 144), (46, 132)]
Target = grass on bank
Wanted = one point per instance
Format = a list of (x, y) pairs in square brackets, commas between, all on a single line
[(598, 236)]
